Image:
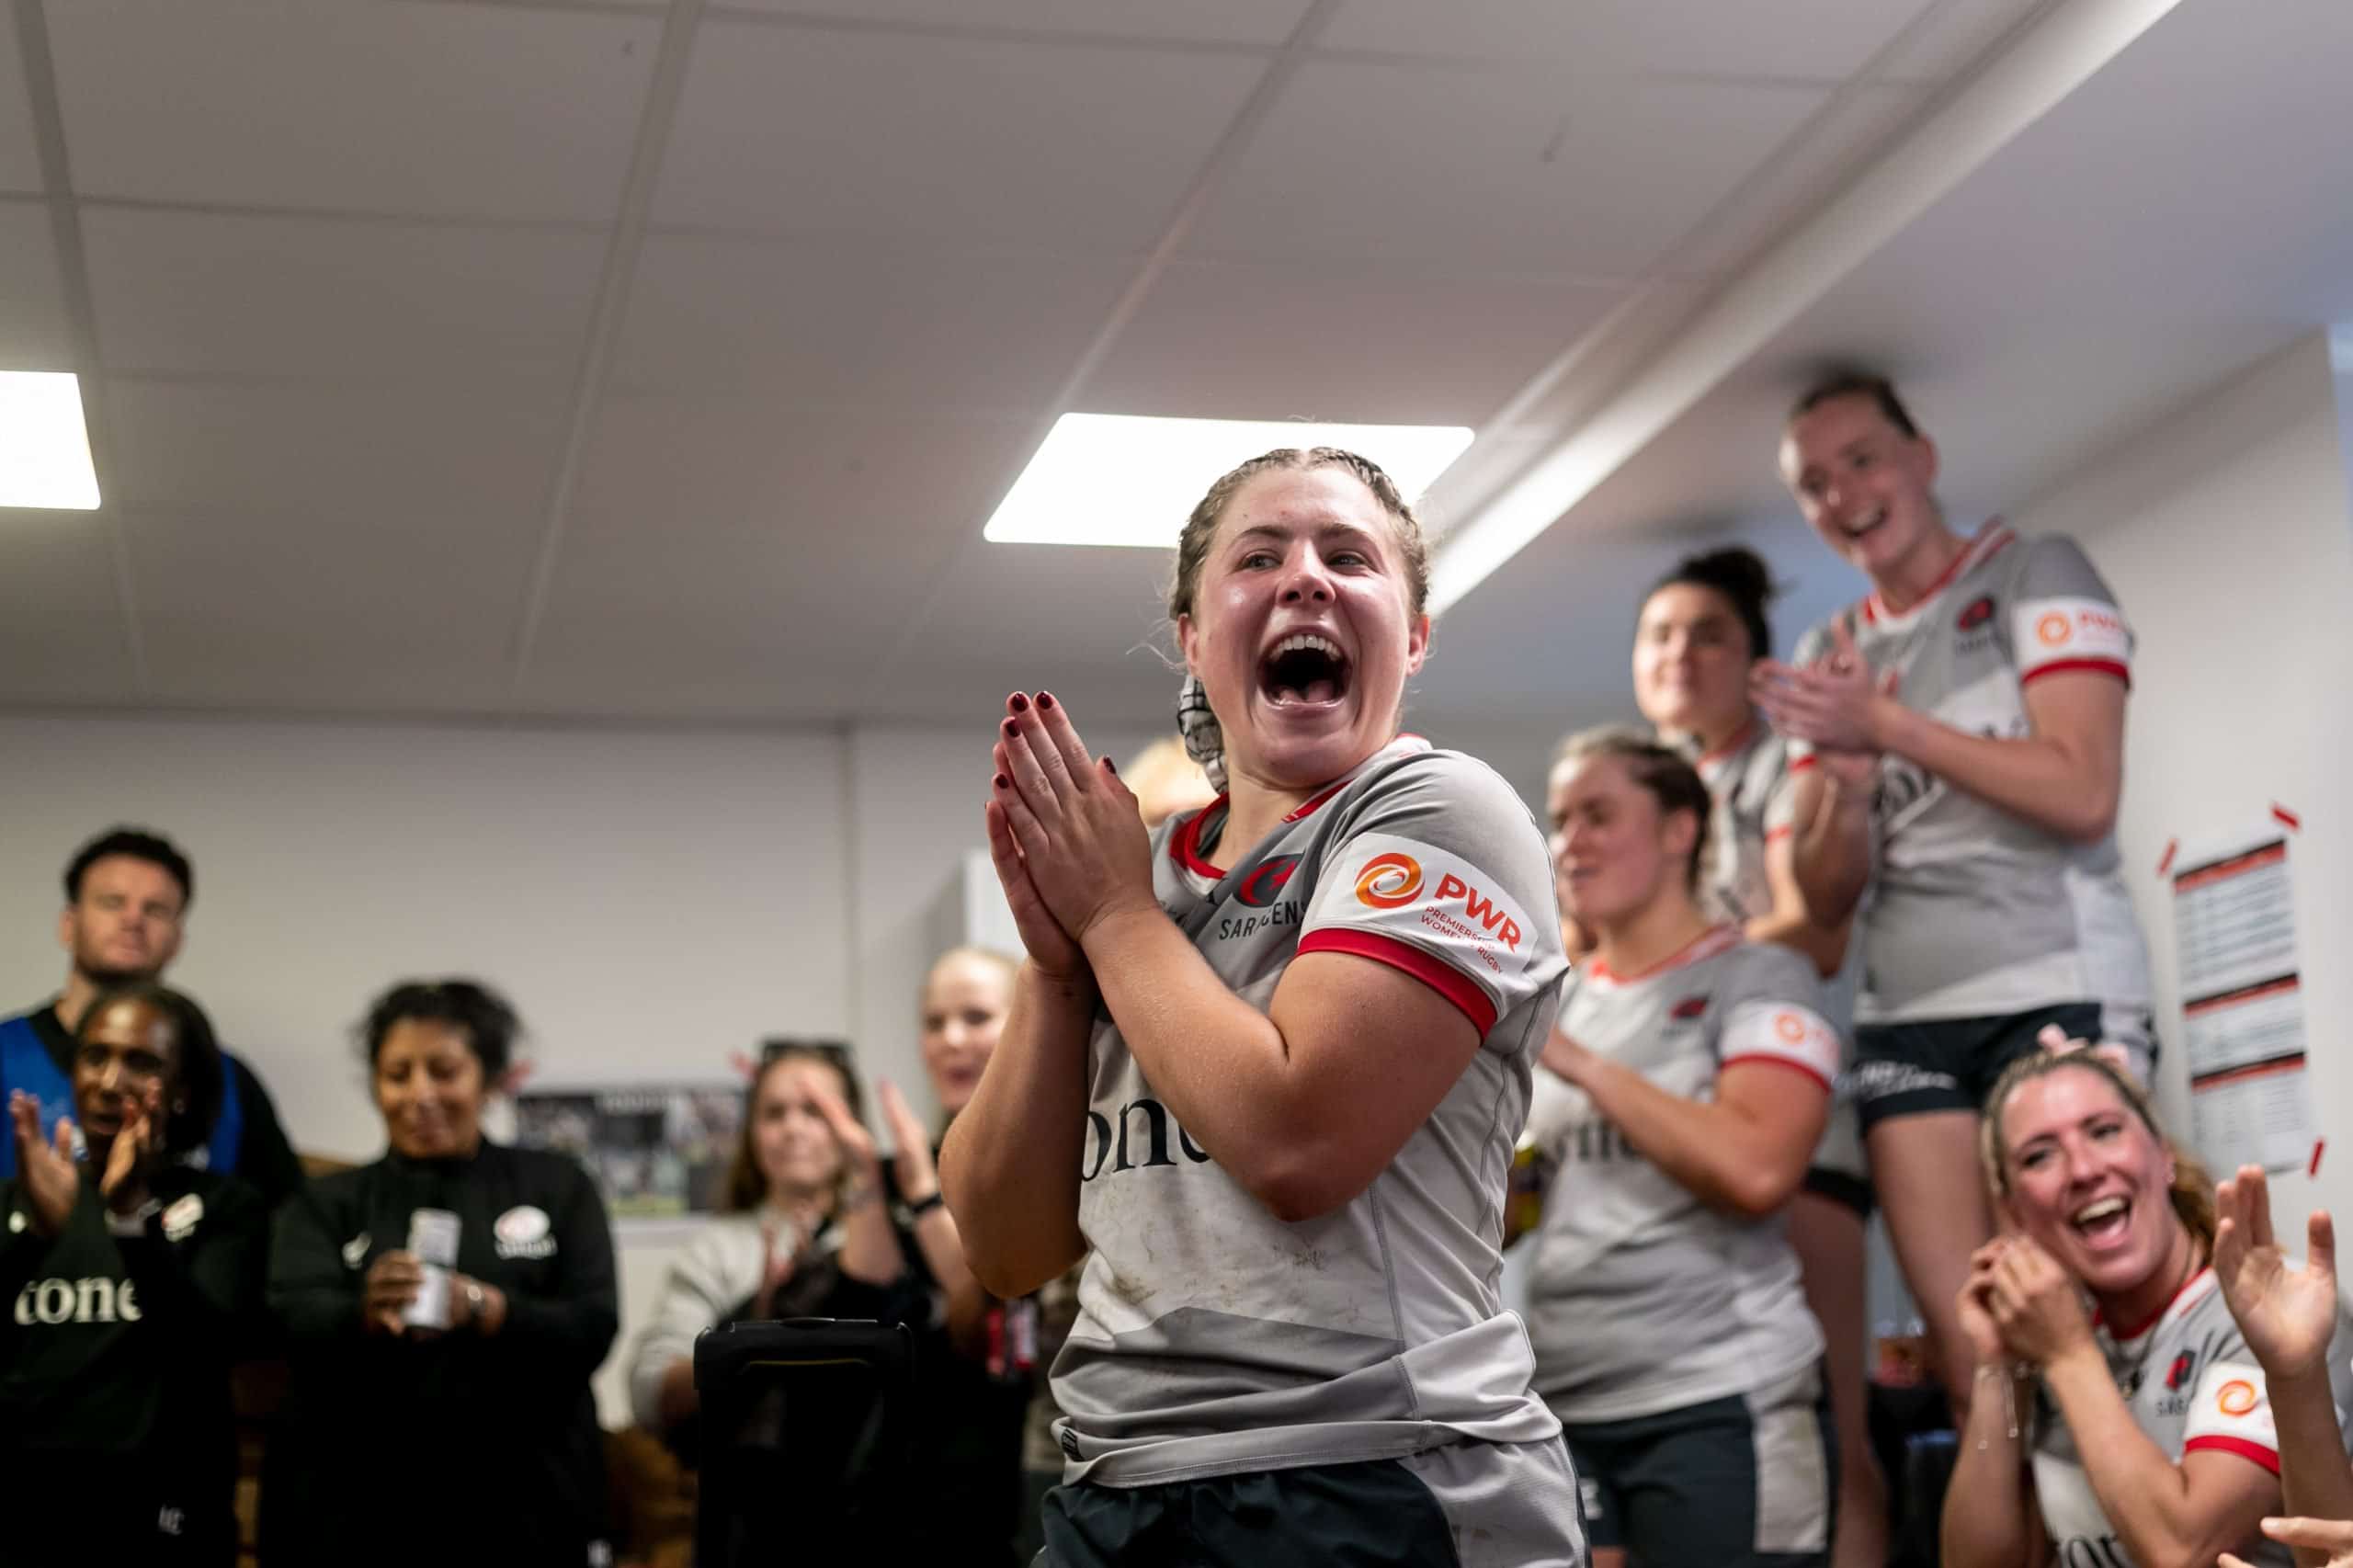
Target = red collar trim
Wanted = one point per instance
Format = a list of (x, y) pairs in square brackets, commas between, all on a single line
[(2205, 1271), (1988, 542), (1185, 843), (1707, 945)]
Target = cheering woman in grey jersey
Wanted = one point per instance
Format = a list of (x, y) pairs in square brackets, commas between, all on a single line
[(1689, 1078), (1958, 738), (1701, 631), (2139, 1434), (1268, 1065)]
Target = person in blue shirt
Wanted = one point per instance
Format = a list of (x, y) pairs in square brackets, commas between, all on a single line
[(127, 895)]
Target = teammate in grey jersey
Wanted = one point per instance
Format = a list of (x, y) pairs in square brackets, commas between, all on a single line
[(1700, 630), (1694, 1072), (1961, 738), (2143, 1433), (1269, 1066)]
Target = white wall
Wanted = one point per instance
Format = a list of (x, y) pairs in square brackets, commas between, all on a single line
[(653, 901), (2224, 529)]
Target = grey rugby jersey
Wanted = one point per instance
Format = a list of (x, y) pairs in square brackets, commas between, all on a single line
[(1212, 1338), (1975, 912), (2191, 1384), (1643, 1298), (1753, 797), (1753, 794)]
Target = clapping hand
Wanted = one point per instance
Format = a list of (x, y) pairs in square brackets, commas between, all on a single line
[(911, 1161), (134, 1153), (1073, 827), (2035, 1304), (777, 1266), (53, 1180), (1974, 1307), (1833, 704), (2334, 1537), (2288, 1315)]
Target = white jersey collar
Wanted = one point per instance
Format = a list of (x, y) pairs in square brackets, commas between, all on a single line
[(1989, 542), (2194, 1290), (1714, 941)]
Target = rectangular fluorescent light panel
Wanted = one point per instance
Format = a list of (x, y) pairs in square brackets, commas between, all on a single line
[(44, 451), (1131, 478)]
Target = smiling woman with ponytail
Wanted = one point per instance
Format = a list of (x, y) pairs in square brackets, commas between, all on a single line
[(2141, 1432)]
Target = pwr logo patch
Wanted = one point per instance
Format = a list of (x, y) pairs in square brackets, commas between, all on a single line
[(1434, 899)]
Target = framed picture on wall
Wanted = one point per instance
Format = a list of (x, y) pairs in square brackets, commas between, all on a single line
[(659, 1151)]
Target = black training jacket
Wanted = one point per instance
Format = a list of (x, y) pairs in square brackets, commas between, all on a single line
[(486, 1446), (114, 1369)]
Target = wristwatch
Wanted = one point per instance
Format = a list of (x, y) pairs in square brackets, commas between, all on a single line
[(474, 1298)]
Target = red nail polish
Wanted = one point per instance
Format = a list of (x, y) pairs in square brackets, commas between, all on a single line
[(1011, 728), (1017, 702), (1003, 782), (1045, 699), (1110, 767)]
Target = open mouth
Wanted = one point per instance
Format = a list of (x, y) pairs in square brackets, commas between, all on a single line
[(1303, 668), (2104, 1221), (1863, 528)]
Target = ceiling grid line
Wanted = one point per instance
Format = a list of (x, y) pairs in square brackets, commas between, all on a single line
[(1594, 346), (81, 314), (1239, 133), (655, 123)]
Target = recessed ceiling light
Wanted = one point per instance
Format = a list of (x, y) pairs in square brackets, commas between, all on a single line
[(44, 451), (1131, 479)]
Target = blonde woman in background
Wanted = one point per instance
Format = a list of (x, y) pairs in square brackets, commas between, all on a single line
[(2139, 1434), (977, 1376)]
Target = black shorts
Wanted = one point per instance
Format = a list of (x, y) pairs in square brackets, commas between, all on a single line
[(1746, 1482), (1511, 1504), (1845, 1188), (1940, 1064)]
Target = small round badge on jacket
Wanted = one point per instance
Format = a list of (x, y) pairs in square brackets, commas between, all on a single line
[(522, 1232)]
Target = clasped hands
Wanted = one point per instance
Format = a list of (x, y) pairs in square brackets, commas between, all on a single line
[(2019, 1306), (1836, 704), (1065, 835)]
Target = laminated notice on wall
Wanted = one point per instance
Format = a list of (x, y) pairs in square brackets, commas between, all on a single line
[(2242, 1005)]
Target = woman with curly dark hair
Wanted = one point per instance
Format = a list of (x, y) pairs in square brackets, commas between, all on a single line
[(445, 1308)]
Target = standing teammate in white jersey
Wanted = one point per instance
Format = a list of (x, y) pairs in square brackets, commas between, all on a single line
[(2139, 1436), (1960, 740), (1269, 1066), (1700, 631), (1694, 1075)]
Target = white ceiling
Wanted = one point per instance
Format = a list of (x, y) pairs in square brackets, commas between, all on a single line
[(663, 360), (2179, 216)]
